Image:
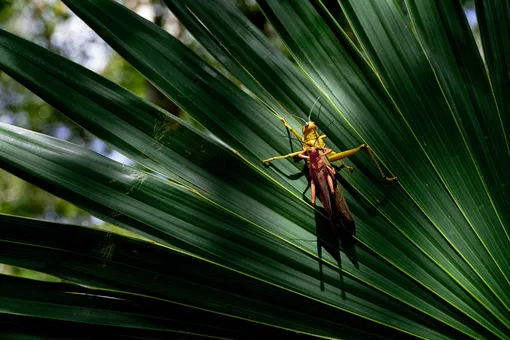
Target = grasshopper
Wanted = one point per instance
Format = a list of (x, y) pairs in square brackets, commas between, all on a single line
[(322, 174)]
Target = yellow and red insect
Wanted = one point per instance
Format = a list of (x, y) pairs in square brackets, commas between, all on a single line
[(322, 174)]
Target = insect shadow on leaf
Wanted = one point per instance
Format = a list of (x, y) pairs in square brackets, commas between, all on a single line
[(333, 242), (293, 176)]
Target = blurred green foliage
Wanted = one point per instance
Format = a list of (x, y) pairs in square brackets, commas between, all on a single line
[(49, 23), (36, 20)]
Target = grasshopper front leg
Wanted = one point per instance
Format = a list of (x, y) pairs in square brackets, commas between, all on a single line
[(295, 133), (266, 161), (291, 129)]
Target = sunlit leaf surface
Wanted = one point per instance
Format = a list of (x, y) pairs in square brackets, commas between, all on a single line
[(237, 250)]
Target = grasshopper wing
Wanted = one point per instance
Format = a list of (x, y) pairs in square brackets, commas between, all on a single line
[(320, 177), (342, 212)]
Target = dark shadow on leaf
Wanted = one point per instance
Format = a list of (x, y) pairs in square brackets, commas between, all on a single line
[(289, 136), (389, 187), (333, 242), (328, 239), (348, 243)]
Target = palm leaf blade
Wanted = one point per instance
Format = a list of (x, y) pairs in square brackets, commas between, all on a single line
[(226, 214), (495, 32), (170, 277), (308, 52)]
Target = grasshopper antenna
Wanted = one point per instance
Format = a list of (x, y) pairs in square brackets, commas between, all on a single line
[(302, 119), (315, 102), (319, 116)]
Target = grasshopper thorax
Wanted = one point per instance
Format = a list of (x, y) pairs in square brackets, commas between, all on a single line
[(311, 136), (315, 160)]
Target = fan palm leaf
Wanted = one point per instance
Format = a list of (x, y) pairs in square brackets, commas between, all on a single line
[(235, 248)]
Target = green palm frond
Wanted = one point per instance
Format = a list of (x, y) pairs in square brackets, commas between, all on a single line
[(232, 248)]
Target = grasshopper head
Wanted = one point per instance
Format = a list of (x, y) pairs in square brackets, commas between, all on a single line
[(308, 128)]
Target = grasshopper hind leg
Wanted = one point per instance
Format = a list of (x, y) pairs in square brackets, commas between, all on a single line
[(331, 185), (314, 193)]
